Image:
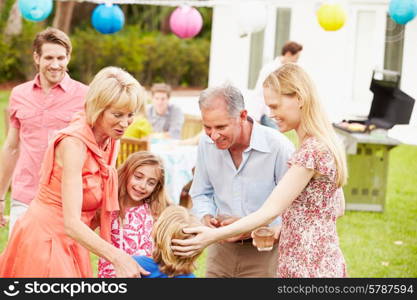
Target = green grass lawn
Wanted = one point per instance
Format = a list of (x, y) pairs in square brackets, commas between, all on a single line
[(374, 244)]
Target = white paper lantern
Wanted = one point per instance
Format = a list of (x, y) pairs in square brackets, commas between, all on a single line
[(252, 17)]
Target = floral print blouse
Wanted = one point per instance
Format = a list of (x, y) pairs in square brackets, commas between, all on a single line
[(309, 244)]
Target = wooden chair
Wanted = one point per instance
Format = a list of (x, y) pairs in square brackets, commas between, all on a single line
[(192, 126), (130, 145)]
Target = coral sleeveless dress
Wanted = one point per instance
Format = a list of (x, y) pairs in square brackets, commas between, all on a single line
[(39, 246)]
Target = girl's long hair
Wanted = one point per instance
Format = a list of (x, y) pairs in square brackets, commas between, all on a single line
[(158, 200), (290, 79)]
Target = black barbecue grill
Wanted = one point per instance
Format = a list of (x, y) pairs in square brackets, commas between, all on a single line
[(390, 105)]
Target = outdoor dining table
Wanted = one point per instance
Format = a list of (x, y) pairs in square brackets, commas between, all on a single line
[(178, 163)]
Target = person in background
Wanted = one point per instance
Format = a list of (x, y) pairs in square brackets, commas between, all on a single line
[(140, 128), (78, 186), (142, 199), (309, 196), (290, 53), (239, 162), (37, 110), (163, 263), (164, 117)]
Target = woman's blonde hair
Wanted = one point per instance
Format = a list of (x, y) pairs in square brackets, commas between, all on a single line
[(290, 79), (112, 87), (158, 199), (169, 226)]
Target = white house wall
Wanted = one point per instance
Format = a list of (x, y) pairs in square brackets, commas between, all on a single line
[(325, 57), (229, 55), (409, 69), (329, 57)]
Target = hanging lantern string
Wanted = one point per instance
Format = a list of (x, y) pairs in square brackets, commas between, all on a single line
[(195, 3)]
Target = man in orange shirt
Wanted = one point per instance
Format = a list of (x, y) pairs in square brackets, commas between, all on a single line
[(37, 110)]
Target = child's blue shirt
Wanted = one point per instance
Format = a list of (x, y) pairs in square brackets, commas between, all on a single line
[(151, 266)]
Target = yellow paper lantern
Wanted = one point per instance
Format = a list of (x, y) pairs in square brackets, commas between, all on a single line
[(331, 16)]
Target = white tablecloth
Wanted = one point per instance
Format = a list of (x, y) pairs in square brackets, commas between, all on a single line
[(178, 163)]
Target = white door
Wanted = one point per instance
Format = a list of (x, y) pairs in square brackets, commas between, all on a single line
[(368, 54)]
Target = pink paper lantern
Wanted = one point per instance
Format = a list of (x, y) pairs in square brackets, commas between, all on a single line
[(185, 22)]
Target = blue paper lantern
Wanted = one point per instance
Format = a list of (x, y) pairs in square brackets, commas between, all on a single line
[(402, 11), (108, 18), (35, 10)]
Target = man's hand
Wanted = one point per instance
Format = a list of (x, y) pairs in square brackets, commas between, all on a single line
[(210, 221)]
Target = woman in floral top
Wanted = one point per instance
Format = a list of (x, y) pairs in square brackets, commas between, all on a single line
[(141, 200), (309, 196)]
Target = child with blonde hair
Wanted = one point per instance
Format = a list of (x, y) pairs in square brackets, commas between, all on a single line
[(142, 198), (164, 263)]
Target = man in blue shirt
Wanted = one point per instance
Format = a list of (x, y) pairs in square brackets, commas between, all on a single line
[(164, 117), (238, 165)]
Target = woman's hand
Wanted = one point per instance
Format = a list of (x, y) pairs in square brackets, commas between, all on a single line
[(126, 266), (229, 220), (189, 247)]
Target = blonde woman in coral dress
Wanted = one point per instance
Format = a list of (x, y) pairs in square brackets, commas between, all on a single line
[(78, 189)]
